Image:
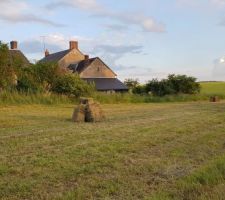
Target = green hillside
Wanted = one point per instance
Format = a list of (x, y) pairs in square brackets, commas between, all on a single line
[(209, 88)]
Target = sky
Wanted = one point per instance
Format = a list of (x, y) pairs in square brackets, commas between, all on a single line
[(141, 39)]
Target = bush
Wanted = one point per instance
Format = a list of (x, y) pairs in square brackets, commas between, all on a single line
[(72, 84), (131, 83), (140, 89), (160, 88), (7, 75), (184, 84), (174, 84), (27, 81)]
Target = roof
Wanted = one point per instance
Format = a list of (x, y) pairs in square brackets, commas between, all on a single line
[(55, 57), (105, 84), (82, 65), (18, 57)]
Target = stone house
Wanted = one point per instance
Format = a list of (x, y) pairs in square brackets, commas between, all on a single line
[(16, 59), (16, 56), (90, 69)]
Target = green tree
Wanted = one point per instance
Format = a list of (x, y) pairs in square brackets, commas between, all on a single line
[(7, 75), (159, 88), (184, 84), (72, 84), (38, 77), (174, 84), (131, 83)]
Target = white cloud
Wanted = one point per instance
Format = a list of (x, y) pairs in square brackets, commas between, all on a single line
[(90, 5), (219, 69), (53, 42), (146, 23), (19, 11)]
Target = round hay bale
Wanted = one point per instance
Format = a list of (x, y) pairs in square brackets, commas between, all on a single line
[(79, 113)]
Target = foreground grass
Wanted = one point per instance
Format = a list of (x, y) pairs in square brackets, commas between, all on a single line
[(141, 151)]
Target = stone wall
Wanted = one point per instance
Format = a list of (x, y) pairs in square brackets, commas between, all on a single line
[(97, 69), (72, 57)]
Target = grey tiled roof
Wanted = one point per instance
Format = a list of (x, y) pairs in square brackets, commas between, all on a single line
[(80, 66), (55, 57), (105, 84)]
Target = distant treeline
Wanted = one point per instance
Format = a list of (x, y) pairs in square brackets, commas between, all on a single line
[(172, 85)]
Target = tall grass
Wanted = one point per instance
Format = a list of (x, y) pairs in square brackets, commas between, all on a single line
[(15, 97), (132, 98)]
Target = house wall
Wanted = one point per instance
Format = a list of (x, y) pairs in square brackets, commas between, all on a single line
[(72, 57), (97, 69)]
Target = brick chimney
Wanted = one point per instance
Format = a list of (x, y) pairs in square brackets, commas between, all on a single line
[(86, 57), (46, 53), (73, 45), (13, 44)]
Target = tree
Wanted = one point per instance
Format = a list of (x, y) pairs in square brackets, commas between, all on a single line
[(131, 83), (174, 84), (38, 77), (159, 88), (184, 84), (72, 84), (7, 75)]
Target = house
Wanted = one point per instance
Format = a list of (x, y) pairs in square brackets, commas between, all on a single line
[(17, 58), (92, 70)]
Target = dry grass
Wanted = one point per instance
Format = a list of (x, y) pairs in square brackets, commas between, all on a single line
[(140, 151)]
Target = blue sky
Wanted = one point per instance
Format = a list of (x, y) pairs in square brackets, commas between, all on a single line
[(141, 39)]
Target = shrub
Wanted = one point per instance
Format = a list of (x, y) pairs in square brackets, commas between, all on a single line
[(72, 84), (7, 75), (131, 83), (160, 88), (38, 77), (140, 89), (27, 81), (174, 84), (184, 84)]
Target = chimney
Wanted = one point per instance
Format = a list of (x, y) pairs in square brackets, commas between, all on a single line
[(73, 45), (13, 44), (46, 53), (86, 57)]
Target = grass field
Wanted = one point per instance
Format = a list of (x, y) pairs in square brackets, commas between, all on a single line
[(211, 88), (141, 151)]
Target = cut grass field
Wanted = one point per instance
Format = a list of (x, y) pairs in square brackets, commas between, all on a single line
[(141, 151)]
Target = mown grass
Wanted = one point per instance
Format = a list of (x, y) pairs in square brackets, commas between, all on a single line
[(140, 151)]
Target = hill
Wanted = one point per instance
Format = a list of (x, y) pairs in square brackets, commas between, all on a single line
[(210, 88)]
